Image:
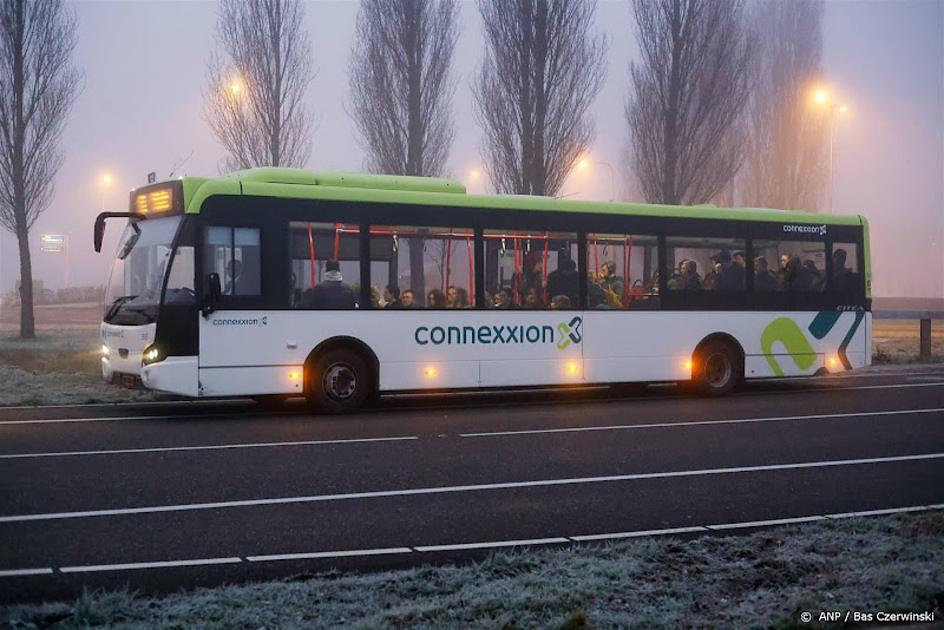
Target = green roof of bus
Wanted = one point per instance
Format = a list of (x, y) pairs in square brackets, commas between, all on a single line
[(449, 193)]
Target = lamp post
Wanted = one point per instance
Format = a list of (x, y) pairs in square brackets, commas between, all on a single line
[(822, 99), (105, 183), (584, 163)]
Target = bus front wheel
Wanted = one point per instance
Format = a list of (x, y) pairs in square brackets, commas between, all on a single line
[(716, 368), (337, 381)]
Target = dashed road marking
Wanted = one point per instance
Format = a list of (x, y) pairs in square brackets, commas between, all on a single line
[(691, 423), (209, 447), (498, 544), (188, 507)]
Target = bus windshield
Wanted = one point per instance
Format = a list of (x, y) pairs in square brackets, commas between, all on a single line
[(134, 289)]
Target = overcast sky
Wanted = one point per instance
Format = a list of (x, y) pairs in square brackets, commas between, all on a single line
[(141, 111)]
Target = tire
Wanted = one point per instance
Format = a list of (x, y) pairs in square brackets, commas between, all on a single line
[(716, 369), (338, 381)]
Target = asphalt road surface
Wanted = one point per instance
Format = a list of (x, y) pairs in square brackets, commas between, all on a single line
[(165, 496)]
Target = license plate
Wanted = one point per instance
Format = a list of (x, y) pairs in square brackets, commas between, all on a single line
[(128, 380)]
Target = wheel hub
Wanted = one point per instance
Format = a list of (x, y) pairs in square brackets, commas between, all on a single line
[(340, 381), (717, 370)]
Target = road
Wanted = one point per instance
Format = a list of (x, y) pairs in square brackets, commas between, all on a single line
[(165, 496)]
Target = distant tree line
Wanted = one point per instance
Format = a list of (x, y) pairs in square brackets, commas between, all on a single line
[(717, 104)]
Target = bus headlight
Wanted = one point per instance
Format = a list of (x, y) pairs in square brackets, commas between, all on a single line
[(151, 355), (105, 351)]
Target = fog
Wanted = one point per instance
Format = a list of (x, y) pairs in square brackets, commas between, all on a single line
[(141, 111)]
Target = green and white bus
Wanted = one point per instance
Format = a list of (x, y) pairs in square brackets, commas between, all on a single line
[(340, 287)]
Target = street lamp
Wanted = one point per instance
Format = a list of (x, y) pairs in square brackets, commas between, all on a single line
[(822, 99), (105, 182), (584, 163)]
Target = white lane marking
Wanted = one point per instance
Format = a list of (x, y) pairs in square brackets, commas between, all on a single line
[(139, 418), (211, 447), (481, 545), (113, 405), (773, 521), (690, 423), (746, 524), (186, 507), (22, 572), (495, 544), (895, 386), (917, 508), (330, 554), (130, 566), (639, 533), (431, 394)]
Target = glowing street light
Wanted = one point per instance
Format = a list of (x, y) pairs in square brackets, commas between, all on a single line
[(105, 181), (822, 99), (585, 162), (235, 87)]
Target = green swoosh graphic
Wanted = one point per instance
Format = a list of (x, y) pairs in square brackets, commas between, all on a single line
[(845, 342), (786, 331)]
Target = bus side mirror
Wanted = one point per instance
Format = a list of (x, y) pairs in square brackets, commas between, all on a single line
[(213, 293), (99, 233)]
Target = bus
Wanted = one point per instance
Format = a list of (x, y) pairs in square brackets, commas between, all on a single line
[(276, 282)]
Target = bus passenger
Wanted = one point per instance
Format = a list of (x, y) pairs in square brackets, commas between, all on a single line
[(505, 298), (564, 280), (460, 298), (407, 300), (532, 300), (816, 279), (840, 272), (687, 279), (332, 293), (392, 297), (450, 295), (560, 303), (730, 275), (375, 298), (764, 280), (435, 299), (611, 284), (531, 276)]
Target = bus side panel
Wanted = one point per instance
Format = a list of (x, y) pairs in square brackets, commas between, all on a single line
[(625, 346)]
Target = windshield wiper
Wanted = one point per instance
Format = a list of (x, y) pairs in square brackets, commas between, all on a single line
[(117, 304)]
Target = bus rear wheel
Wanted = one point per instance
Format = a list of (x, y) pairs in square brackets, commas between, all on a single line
[(716, 368), (337, 381)]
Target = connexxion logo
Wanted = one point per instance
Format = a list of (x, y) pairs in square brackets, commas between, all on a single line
[(565, 334), (255, 321), (806, 229)]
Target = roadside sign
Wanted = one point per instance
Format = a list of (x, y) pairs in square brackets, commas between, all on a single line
[(52, 243), (152, 177)]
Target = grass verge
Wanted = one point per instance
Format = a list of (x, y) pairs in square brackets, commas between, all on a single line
[(765, 579), (56, 369)]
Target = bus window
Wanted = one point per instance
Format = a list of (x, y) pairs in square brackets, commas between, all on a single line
[(623, 271), (422, 267), (315, 249), (705, 264), (845, 276), (531, 269), (792, 266), (234, 254)]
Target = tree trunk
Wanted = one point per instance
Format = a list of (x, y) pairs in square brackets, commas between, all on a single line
[(27, 322)]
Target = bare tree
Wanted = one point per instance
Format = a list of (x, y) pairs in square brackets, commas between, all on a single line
[(38, 86), (401, 92), (401, 84), (786, 165), (543, 67), (254, 99), (687, 97)]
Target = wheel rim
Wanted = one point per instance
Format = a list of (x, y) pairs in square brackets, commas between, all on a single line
[(717, 370), (340, 381)]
